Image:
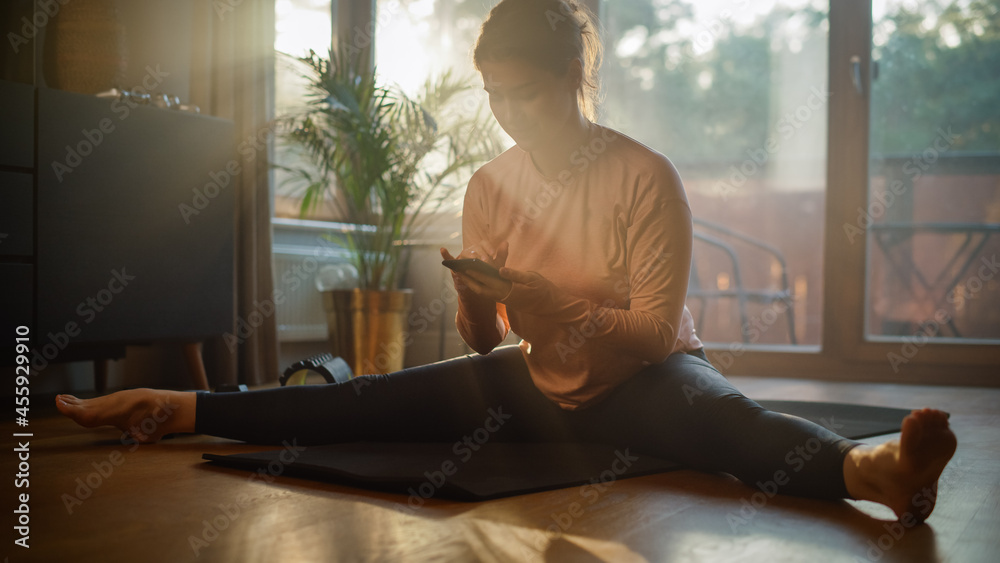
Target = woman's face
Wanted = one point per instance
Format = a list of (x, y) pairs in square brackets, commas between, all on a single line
[(532, 105)]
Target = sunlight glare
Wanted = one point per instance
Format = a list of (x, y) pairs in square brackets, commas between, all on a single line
[(298, 29)]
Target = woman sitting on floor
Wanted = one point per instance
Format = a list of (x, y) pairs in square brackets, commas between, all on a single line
[(591, 231)]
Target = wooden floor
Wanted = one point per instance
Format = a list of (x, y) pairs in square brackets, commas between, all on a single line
[(94, 499)]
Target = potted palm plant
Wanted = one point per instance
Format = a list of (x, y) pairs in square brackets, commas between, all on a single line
[(387, 162)]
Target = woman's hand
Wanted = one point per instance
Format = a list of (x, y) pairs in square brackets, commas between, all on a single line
[(530, 292), (479, 284)]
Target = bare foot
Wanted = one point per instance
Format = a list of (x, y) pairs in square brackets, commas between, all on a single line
[(145, 414), (903, 474)]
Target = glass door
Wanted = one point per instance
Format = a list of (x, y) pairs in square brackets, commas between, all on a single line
[(932, 221)]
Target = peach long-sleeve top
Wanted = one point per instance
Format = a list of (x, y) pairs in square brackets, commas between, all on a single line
[(612, 238)]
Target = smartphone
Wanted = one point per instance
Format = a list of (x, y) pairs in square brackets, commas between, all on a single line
[(463, 265)]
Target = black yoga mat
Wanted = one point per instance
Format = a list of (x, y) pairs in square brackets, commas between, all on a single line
[(495, 470)]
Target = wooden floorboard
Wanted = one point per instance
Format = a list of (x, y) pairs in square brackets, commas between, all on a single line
[(163, 503)]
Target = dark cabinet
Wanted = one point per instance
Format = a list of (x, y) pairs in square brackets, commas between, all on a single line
[(119, 223), (16, 214), (17, 114)]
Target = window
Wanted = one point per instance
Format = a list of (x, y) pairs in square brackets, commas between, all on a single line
[(300, 25)]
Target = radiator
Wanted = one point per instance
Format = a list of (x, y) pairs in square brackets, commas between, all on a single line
[(300, 316)]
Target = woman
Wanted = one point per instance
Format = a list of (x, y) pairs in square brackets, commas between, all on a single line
[(592, 234)]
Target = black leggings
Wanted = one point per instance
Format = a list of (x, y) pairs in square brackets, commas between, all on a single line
[(681, 410)]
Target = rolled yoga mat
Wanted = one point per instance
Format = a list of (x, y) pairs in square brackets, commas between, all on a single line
[(496, 470)]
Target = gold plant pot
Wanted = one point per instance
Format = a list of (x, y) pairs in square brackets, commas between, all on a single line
[(367, 328)]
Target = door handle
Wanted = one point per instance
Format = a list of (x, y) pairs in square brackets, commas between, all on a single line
[(856, 74)]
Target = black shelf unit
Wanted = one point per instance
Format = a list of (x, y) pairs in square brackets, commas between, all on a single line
[(96, 252)]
